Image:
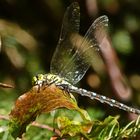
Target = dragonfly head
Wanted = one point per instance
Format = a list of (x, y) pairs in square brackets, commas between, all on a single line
[(38, 79), (46, 79)]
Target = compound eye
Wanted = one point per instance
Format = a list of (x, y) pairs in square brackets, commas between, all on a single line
[(35, 78)]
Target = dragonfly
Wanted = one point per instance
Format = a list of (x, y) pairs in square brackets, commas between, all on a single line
[(69, 62)]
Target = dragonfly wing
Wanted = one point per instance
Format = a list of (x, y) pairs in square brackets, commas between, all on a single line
[(65, 49), (71, 58), (87, 49)]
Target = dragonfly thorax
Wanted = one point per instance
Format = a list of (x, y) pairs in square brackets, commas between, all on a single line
[(47, 79)]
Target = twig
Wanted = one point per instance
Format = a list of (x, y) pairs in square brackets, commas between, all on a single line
[(3, 117), (46, 127), (6, 85)]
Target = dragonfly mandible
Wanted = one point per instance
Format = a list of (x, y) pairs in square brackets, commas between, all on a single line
[(69, 62)]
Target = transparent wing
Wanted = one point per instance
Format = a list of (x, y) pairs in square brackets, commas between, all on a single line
[(71, 59), (86, 49), (65, 49)]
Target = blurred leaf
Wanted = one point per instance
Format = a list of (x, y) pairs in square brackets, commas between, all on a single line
[(132, 23), (112, 6), (0, 44), (12, 30), (56, 7), (135, 81), (95, 113), (14, 43), (122, 42)]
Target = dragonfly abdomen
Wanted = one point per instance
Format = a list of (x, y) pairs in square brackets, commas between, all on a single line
[(103, 99)]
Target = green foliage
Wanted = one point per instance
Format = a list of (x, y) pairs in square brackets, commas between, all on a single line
[(107, 129), (95, 129)]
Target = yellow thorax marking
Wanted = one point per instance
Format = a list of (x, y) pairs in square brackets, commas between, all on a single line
[(53, 77)]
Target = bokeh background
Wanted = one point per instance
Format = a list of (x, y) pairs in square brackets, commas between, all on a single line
[(29, 32)]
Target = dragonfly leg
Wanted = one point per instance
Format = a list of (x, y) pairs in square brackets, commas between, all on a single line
[(38, 88), (65, 88), (48, 84)]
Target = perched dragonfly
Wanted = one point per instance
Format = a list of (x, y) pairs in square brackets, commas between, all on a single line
[(69, 62)]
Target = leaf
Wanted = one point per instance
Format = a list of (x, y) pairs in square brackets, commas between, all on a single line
[(131, 129), (84, 114), (41, 100), (107, 129), (33, 103), (73, 128)]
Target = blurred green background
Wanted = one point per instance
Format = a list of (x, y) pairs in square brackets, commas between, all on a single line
[(29, 32)]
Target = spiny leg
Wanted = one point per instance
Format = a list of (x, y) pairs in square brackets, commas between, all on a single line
[(65, 88)]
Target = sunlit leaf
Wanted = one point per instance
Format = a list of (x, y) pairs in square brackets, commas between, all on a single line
[(36, 101), (131, 129), (73, 128), (106, 129)]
